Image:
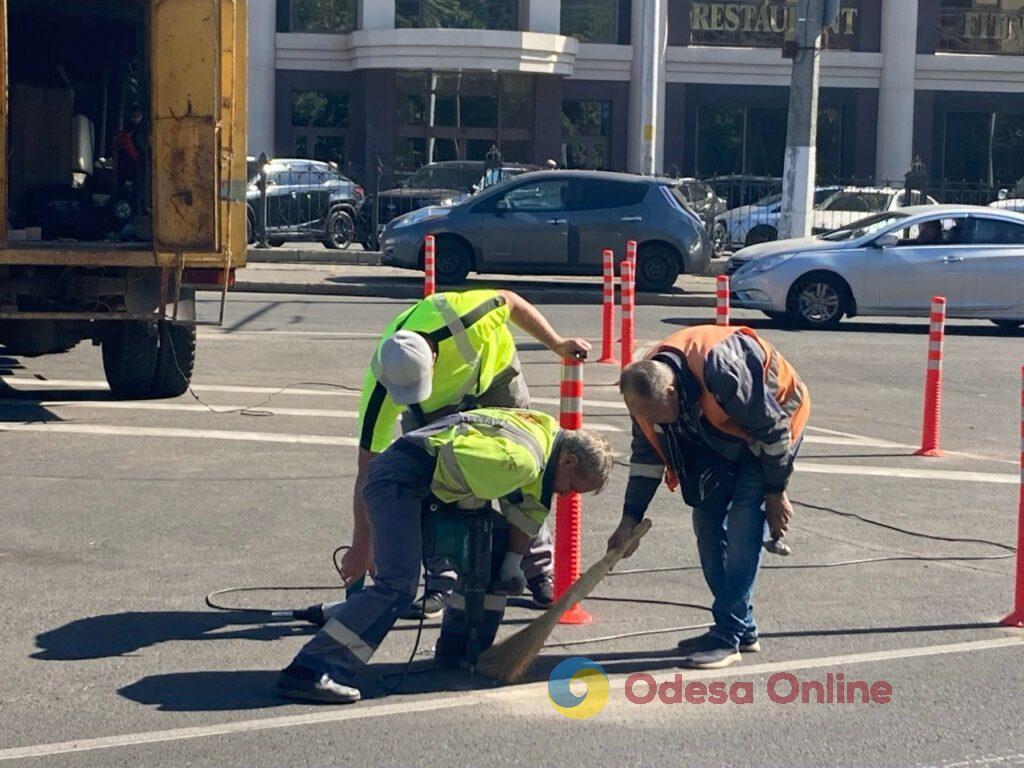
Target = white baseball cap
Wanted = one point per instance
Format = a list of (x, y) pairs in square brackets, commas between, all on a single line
[(407, 367)]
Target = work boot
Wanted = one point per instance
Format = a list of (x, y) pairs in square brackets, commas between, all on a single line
[(297, 681), (707, 641), (543, 590), (430, 606), (714, 654)]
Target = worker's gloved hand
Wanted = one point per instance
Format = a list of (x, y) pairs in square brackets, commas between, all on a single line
[(511, 580)]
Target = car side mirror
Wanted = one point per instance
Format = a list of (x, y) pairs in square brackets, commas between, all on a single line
[(888, 240), (501, 207), (1003, 194)]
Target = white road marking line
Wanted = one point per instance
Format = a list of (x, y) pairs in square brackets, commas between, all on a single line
[(481, 698), (215, 410), (225, 333), (205, 434), (30, 384), (910, 474), (866, 441)]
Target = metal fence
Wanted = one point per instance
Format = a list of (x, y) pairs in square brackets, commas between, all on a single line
[(750, 206)]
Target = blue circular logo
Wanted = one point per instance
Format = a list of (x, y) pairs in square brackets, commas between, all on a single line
[(578, 706)]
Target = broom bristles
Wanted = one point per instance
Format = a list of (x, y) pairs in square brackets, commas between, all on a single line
[(509, 660)]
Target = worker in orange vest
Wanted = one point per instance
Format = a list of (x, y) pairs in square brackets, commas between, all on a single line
[(719, 411)]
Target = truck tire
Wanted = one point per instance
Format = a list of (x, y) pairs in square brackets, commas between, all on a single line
[(129, 358), (175, 359)]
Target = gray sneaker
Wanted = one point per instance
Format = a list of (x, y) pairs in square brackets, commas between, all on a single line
[(430, 606), (707, 641), (713, 658), (303, 683)]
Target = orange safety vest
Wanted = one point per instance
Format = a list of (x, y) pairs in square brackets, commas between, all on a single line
[(694, 345)]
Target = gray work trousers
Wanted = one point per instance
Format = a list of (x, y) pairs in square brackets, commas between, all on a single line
[(397, 485), (508, 390)]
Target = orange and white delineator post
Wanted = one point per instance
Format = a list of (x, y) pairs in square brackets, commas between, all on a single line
[(569, 508), (931, 428), (429, 266), (608, 310), (722, 300), (1016, 619), (628, 305)]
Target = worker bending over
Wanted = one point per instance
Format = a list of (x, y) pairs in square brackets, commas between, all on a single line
[(518, 457), (719, 409), (448, 353)]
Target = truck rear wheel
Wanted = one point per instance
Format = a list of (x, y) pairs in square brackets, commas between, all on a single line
[(130, 354), (175, 359)]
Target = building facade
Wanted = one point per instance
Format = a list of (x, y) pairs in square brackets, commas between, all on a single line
[(400, 83)]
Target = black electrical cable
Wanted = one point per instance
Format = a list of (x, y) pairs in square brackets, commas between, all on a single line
[(651, 601)]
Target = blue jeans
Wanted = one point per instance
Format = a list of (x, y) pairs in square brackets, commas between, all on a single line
[(729, 538)]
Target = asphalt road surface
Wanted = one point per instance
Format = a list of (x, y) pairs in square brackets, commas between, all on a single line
[(118, 518)]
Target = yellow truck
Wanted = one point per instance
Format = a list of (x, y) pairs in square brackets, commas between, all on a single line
[(122, 178)]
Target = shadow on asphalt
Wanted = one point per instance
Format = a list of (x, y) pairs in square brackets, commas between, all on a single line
[(120, 634), (853, 326)]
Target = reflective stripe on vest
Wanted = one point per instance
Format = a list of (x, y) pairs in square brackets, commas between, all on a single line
[(490, 427)]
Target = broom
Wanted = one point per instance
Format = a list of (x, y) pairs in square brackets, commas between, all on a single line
[(509, 660)]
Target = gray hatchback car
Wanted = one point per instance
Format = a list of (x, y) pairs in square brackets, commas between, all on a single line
[(557, 223)]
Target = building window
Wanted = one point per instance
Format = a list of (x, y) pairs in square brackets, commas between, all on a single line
[(457, 14), (591, 21), (320, 124), (985, 147), (764, 24), (981, 26), (586, 133), (317, 16), (461, 115), (751, 141)]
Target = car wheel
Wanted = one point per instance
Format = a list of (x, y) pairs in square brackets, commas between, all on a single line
[(817, 301), (762, 233), (340, 230), (719, 238), (1009, 325), (657, 268), (453, 262), (275, 242)]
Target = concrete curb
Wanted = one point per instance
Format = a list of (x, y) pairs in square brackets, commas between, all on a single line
[(353, 257), (361, 258), (539, 295)]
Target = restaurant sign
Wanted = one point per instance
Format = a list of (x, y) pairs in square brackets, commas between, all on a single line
[(761, 24)]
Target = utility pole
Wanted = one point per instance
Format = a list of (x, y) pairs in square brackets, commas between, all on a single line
[(802, 130), (649, 40)]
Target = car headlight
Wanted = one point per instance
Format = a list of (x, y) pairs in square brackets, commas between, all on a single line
[(421, 215), (757, 266)]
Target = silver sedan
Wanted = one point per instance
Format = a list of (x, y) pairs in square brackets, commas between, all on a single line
[(891, 263)]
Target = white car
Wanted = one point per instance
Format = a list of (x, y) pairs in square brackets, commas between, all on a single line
[(755, 223), (851, 204), (891, 263)]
